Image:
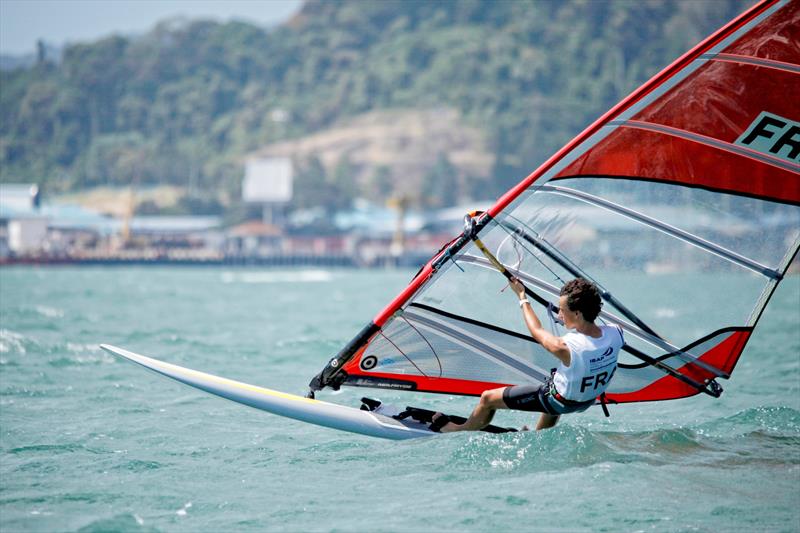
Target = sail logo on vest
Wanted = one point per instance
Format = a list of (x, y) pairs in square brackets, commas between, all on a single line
[(602, 357), (773, 135)]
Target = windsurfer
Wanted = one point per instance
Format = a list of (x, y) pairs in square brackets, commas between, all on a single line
[(587, 358)]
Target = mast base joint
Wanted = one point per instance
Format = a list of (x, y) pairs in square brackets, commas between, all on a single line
[(714, 389)]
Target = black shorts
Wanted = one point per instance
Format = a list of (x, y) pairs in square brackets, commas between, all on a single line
[(537, 398)]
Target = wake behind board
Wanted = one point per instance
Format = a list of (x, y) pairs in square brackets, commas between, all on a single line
[(383, 421)]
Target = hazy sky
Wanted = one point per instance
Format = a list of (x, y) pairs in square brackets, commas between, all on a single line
[(23, 22)]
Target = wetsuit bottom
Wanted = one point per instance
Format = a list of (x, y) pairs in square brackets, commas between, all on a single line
[(539, 398)]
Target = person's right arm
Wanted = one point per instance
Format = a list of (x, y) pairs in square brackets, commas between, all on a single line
[(553, 344)]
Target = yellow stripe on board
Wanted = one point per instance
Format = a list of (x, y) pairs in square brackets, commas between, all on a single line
[(238, 384)]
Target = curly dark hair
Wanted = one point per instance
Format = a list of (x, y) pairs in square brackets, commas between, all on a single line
[(583, 295)]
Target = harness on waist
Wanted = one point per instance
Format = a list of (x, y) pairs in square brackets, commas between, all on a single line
[(555, 394), (551, 386)]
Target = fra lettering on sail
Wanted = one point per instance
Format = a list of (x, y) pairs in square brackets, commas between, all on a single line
[(773, 135)]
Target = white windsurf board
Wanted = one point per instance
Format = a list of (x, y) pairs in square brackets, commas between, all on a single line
[(371, 423)]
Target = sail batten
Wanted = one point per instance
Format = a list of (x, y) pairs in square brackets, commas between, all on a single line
[(708, 141), (667, 228), (759, 62)]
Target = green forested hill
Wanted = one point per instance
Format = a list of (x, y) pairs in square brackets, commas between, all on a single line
[(183, 103)]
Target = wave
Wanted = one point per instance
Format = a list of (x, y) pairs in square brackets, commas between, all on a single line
[(120, 522), (67, 353), (13, 342), (779, 421), (138, 466), (76, 354), (48, 448), (755, 436), (49, 312)]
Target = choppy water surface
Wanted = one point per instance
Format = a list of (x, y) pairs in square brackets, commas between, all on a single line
[(90, 443)]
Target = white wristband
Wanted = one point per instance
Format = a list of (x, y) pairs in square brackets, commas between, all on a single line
[(523, 302)]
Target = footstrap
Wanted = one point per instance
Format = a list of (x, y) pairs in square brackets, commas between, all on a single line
[(368, 404), (437, 425)]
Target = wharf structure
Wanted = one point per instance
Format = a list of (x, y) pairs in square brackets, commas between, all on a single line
[(33, 232)]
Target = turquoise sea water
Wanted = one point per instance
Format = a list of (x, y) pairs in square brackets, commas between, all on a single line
[(90, 443)]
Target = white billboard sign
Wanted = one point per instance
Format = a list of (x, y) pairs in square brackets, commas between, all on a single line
[(268, 180)]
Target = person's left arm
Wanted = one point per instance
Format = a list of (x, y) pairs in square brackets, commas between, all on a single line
[(553, 344)]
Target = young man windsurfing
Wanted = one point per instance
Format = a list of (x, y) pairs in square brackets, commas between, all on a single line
[(587, 360)]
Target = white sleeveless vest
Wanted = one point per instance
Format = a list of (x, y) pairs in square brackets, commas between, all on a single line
[(592, 364)]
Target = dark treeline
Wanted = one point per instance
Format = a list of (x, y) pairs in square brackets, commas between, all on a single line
[(183, 103)]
